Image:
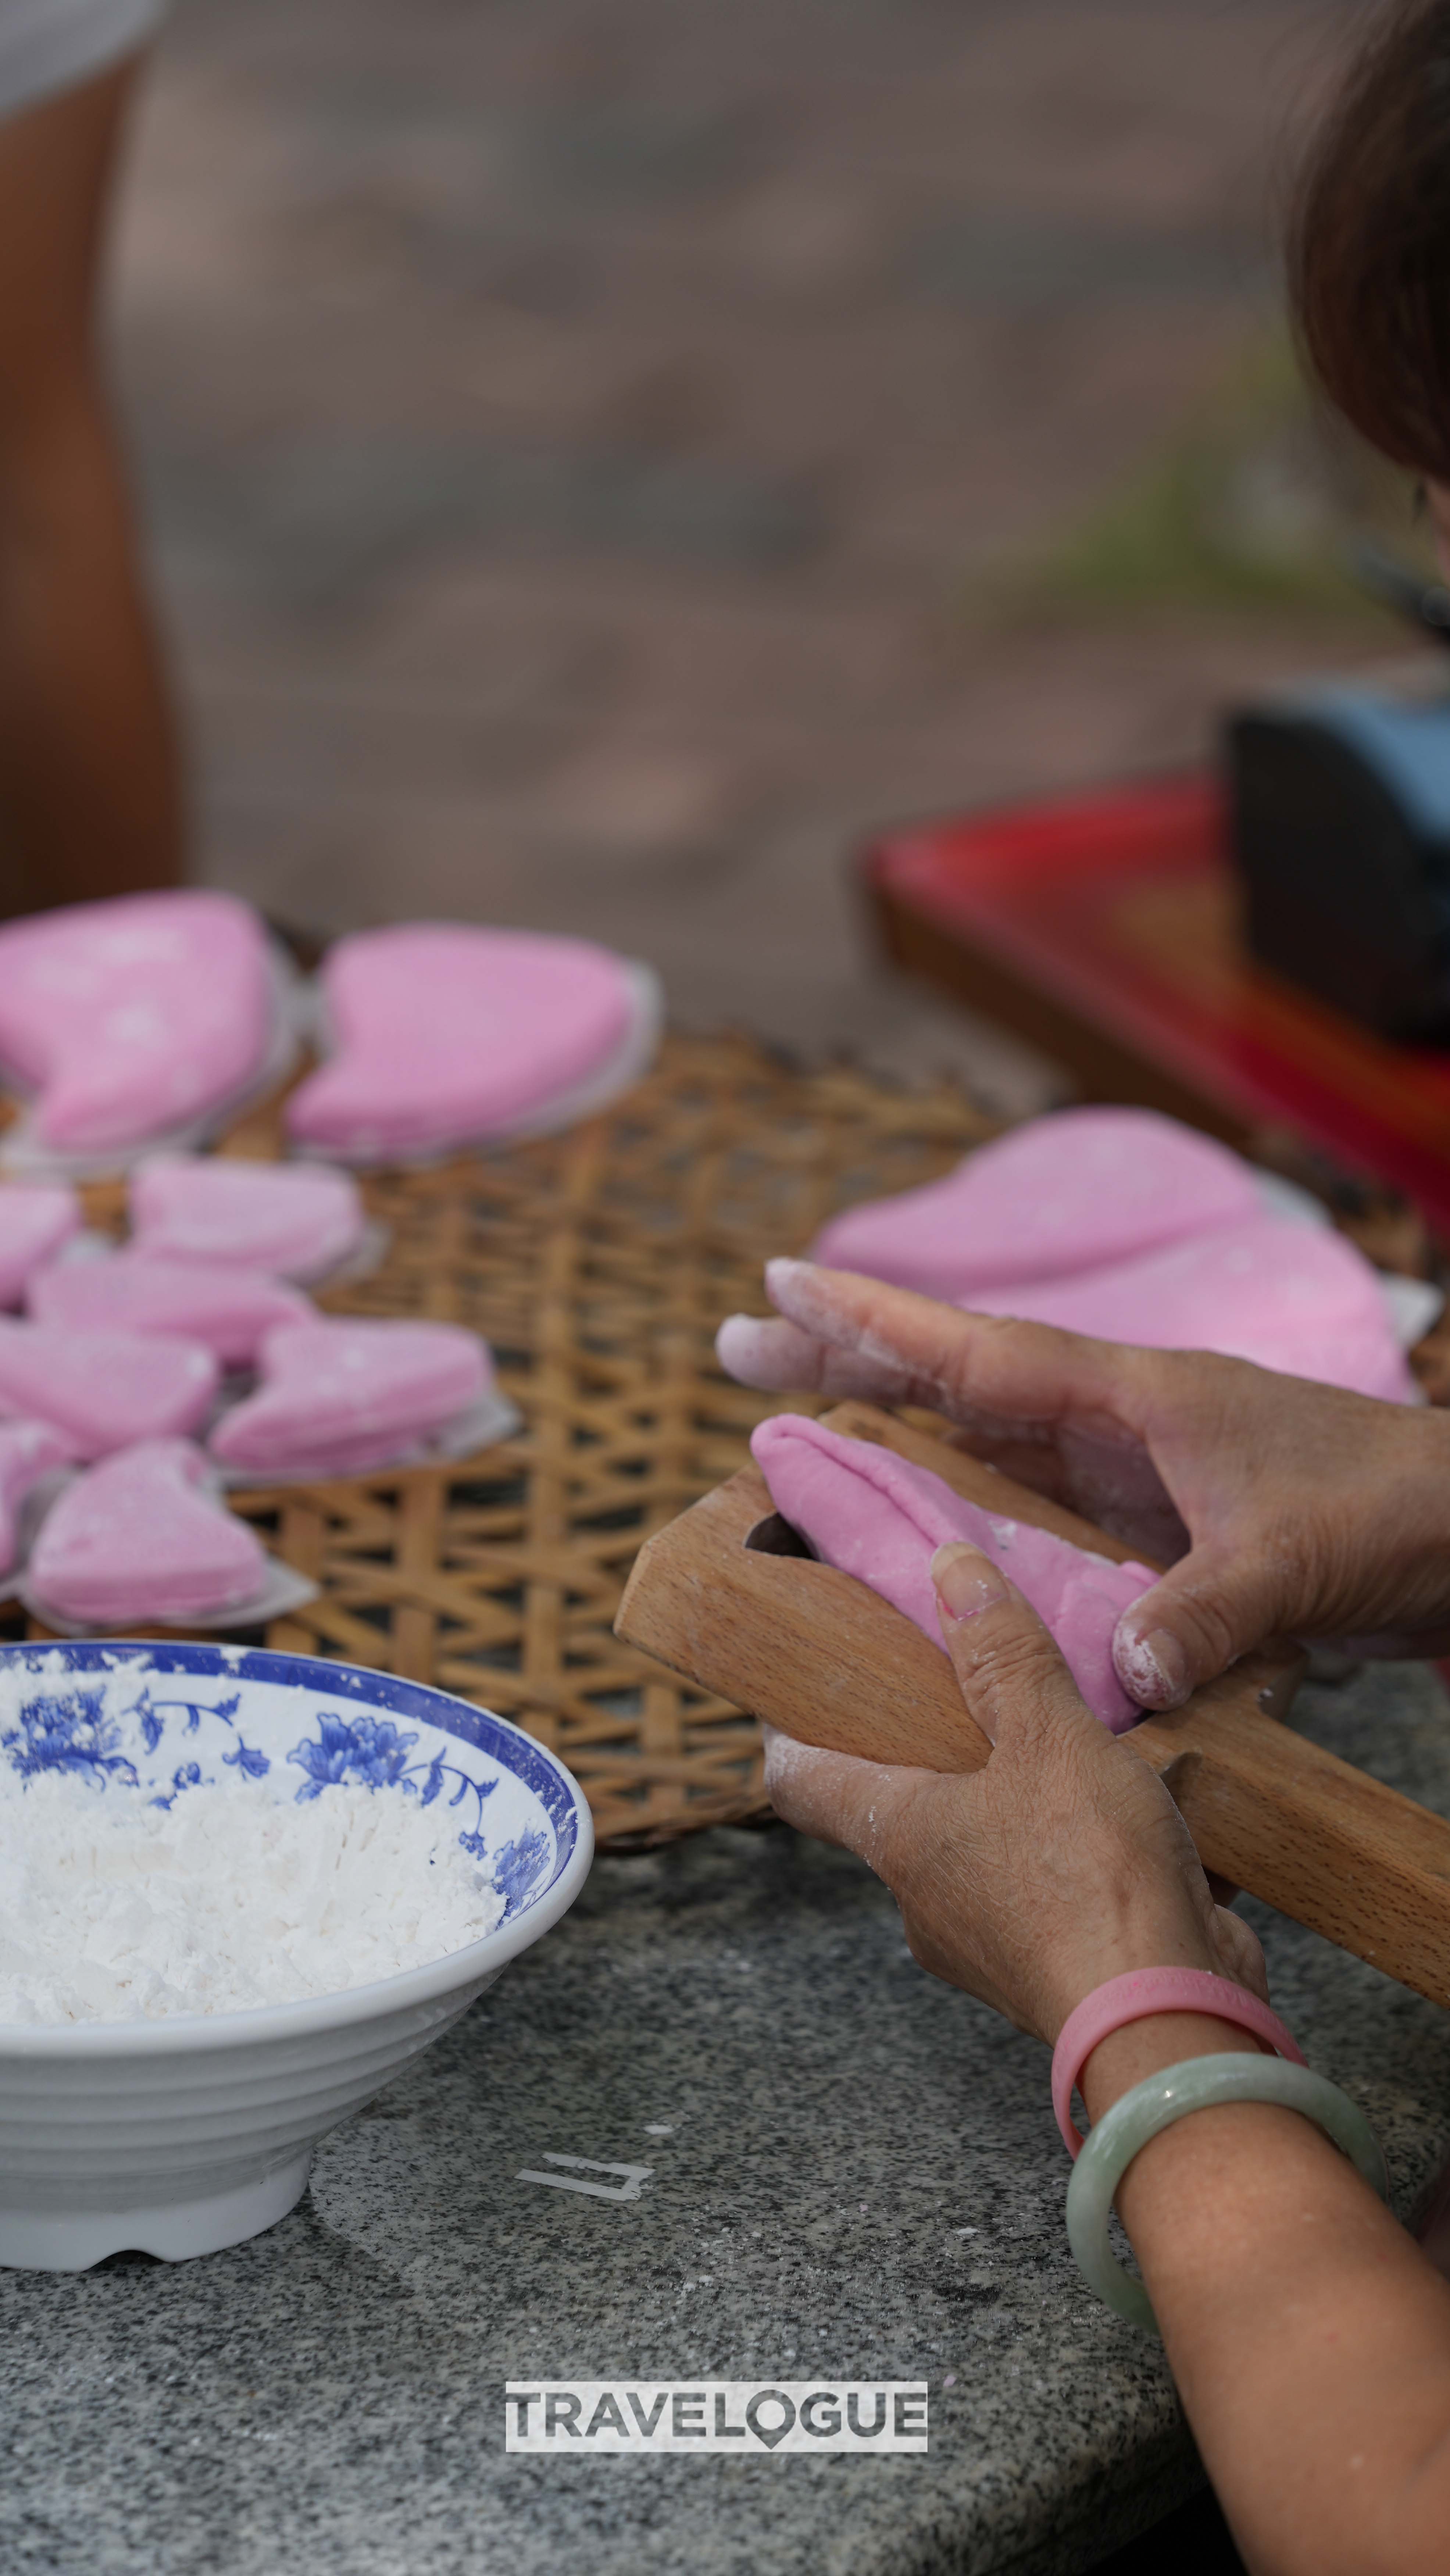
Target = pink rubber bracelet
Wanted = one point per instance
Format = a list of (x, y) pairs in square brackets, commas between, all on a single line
[(1133, 1998)]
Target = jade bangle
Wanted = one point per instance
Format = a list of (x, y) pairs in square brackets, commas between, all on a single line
[(1195, 2085)]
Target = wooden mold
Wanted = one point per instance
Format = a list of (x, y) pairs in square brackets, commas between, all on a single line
[(724, 1596)]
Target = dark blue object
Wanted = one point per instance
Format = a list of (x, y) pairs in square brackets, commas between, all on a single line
[(1339, 806)]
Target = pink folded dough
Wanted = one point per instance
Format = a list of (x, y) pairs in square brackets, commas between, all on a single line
[(35, 1220), (1297, 1298), (104, 1390), (142, 1536), (127, 1292), (882, 1519), (443, 1034), (337, 1397), (1062, 1194), (28, 1451), (134, 1017), (297, 1220)]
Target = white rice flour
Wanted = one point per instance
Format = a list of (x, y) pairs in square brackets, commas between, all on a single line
[(114, 1910)]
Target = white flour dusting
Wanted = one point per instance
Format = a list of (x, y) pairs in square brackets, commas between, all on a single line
[(114, 1910)]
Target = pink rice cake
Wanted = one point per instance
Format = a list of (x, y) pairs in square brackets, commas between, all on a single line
[(127, 1292), (296, 1220), (443, 1034), (36, 1218), (28, 1451), (1063, 1194), (1297, 1298), (131, 1018), (104, 1390), (337, 1397), (143, 1536), (880, 1518)]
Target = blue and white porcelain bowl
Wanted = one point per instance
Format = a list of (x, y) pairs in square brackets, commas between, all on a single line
[(178, 2136)]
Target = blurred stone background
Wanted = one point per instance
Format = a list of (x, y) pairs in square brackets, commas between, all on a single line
[(604, 457)]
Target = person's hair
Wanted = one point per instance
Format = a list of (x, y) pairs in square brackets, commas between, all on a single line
[(1368, 248)]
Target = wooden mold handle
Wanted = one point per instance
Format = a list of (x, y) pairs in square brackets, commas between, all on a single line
[(821, 1656)]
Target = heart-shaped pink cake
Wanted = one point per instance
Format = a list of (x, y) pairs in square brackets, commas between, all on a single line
[(444, 1034), (880, 1518), (1297, 1298), (1060, 1195), (132, 1018), (28, 1451), (128, 1292), (35, 1220), (297, 1220), (104, 1390), (336, 1396), (143, 1536)]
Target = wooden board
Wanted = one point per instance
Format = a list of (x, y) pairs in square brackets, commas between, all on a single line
[(815, 1652)]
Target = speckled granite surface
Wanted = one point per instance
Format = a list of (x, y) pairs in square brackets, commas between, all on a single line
[(853, 2169)]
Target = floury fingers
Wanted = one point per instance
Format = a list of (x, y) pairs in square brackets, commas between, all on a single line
[(569, 2417)]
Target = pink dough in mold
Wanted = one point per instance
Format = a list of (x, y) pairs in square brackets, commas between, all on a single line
[(337, 1397), (104, 1390), (1071, 1192), (880, 1518), (1297, 1298), (28, 1451), (297, 1220), (444, 1033), (35, 1220), (127, 1292), (143, 1536), (130, 1018)]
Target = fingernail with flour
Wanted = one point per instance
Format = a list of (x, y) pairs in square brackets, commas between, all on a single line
[(746, 1347), (785, 1280), (1153, 1669), (967, 1582)]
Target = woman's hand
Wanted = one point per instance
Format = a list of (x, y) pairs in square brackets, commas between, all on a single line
[(1062, 1863), (1309, 2338), (1291, 1508)]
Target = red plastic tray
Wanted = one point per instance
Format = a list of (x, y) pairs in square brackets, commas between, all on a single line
[(1117, 912)]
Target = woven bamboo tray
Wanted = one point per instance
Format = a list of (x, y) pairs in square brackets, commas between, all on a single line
[(598, 1265)]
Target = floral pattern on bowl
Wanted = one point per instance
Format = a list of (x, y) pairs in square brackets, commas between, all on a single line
[(163, 1720)]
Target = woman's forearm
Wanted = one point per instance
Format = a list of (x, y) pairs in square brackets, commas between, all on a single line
[(90, 785), (1309, 2338)]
